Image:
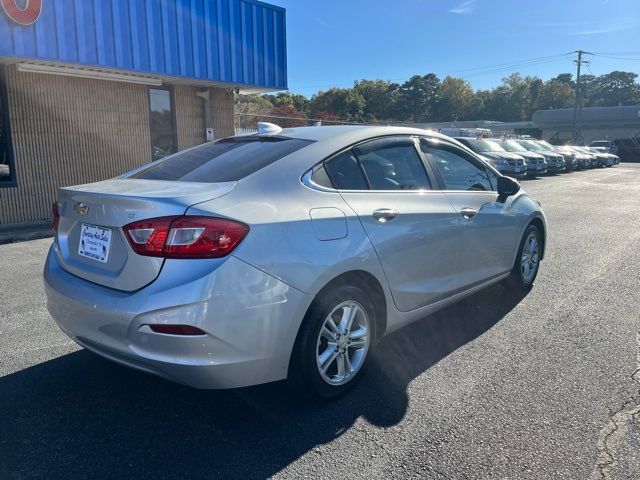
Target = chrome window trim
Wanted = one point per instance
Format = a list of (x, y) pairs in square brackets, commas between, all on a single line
[(306, 177)]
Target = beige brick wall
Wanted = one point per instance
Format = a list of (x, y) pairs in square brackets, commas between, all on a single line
[(68, 131), (189, 116), (222, 112)]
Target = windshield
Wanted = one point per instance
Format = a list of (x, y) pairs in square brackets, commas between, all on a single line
[(602, 143), (530, 145), (512, 146), (484, 145)]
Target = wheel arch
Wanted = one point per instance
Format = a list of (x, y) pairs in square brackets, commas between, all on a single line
[(372, 286), (537, 222)]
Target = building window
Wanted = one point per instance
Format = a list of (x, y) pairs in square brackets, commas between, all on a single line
[(7, 174), (162, 123)]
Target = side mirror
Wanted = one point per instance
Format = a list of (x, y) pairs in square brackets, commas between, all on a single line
[(507, 186)]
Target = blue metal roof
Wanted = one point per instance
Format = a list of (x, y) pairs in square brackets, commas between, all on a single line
[(242, 42)]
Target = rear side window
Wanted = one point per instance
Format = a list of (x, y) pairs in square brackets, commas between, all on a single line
[(226, 160), (346, 173)]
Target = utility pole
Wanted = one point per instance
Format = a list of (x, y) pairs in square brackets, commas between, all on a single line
[(577, 106)]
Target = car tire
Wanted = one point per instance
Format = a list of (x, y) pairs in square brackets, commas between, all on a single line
[(522, 278), (313, 373)]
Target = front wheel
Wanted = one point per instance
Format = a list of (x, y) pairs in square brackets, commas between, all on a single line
[(525, 269), (334, 343)]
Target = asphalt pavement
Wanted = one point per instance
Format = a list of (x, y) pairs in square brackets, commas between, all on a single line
[(540, 387)]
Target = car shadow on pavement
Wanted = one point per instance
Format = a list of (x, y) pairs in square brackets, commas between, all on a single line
[(79, 416)]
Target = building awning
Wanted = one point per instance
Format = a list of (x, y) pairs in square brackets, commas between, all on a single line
[(227, 43)]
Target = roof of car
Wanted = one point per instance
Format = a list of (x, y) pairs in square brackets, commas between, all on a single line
[(320, 133)]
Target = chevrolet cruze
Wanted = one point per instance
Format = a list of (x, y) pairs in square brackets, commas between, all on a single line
[(286, 254)]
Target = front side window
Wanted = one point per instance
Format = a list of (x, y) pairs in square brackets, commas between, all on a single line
[(458, 172), (227, 160), (161, 123), (6, 167)]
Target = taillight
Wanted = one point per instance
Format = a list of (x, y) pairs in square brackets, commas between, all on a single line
[(185, 236), (55, 216)]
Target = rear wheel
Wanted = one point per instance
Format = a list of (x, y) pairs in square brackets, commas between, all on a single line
[(334, 343), (525, 269)]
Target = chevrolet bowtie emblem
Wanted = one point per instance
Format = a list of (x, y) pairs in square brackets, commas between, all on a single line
[(81, 208)]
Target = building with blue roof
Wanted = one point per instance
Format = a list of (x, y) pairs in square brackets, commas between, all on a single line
[(92, 88)]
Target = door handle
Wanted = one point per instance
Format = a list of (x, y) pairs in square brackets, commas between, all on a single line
[(468, 212), (384, 214)]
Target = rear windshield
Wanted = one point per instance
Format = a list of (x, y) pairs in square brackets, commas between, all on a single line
[(226, 160)]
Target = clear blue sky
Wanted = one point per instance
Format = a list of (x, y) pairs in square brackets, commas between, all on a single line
[(334, 42)]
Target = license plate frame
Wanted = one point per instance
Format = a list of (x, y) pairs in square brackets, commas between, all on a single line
[(94, 242)]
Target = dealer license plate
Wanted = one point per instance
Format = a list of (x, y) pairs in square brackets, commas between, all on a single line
[(95, 242)]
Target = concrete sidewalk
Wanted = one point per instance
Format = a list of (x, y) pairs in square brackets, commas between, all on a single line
[(19, 232)]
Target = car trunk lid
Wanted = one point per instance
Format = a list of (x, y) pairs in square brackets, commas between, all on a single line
[(90, 239)]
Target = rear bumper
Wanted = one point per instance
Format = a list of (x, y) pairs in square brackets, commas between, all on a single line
[(250, 317)]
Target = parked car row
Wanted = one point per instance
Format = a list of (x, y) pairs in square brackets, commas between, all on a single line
[(530, 158)]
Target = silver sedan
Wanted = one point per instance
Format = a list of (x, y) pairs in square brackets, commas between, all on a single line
[(286, 254)]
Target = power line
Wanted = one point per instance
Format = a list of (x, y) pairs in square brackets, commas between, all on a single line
[(629, 59), (532, 64), (616, 53), (475, 71), (514, 64)]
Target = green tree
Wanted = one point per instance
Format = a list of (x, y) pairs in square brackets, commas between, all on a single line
[(288, 99), (345, 103), (285, 116), (380, 98), (248, 108), (615, 88), (454, 101), (554, 94), (513, 100), (417, 97)]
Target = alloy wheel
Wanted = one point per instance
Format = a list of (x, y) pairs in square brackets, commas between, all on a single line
[(343, 343), (530, 259)]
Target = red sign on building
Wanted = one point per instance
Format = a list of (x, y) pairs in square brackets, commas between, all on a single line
[(23, 15)]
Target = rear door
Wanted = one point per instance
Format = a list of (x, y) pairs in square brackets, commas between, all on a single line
[(413, 228), (490, 229)]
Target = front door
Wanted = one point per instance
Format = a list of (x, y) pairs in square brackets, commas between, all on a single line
[(413, 228), (490, 227)]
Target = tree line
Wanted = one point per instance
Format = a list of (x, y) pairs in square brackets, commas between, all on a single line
[(427, 98)]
